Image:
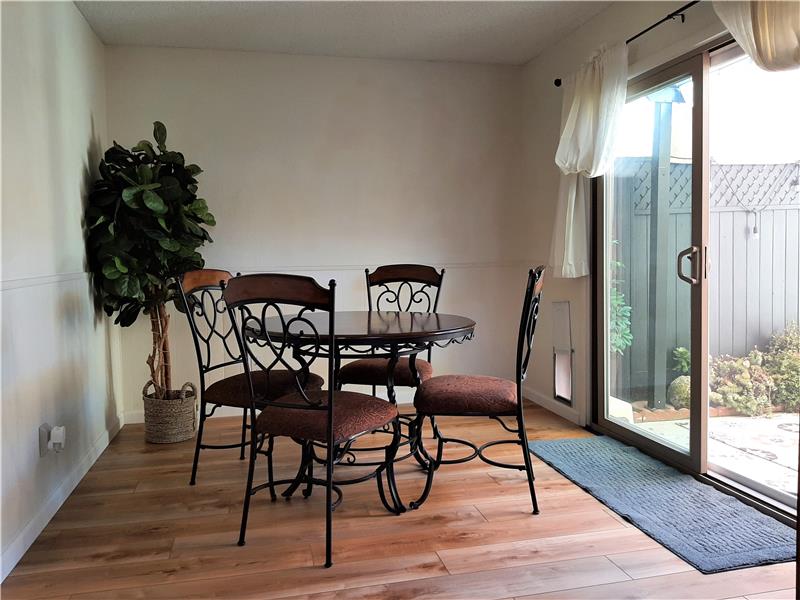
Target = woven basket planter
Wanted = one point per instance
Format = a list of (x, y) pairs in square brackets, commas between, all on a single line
[(171, 419)]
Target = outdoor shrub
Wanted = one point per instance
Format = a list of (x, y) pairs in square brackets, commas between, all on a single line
[(741, 383), (683, 360), (619, 317), (620, 337), (679, 392), (786, 341), (782, 362)]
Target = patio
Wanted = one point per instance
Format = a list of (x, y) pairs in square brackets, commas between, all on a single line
[(759, 448)]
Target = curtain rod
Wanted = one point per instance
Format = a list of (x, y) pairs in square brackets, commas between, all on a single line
[(679, 13)]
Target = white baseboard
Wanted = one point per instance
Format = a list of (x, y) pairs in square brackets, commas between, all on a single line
[(16, 549), (553, 405)]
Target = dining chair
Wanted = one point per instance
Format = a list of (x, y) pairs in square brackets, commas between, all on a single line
[(216, 349), (400, 287), (481, 396), (273, 329)]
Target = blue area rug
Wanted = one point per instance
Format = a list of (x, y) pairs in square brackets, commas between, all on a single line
[(710, 530)]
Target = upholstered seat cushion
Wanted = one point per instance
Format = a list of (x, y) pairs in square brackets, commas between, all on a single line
[(353, 413), (234, 390), (374, 371), (466, 395)]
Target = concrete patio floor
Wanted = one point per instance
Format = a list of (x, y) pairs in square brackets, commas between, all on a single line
[(763, 449)]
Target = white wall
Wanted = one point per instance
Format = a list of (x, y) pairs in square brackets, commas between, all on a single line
[(55, 353), (313, 165), (542, 118), (326, 165)]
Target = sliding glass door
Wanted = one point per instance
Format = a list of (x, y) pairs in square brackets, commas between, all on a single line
[(698, 273), (653, 281)]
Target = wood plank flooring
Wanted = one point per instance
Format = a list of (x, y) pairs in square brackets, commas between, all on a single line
[(134, 528)]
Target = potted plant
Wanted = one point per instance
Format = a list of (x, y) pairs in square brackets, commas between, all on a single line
[(144, 225)]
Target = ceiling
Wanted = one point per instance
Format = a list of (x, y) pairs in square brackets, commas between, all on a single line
[(479, 32)]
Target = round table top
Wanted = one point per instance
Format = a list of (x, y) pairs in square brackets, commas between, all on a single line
[(386, 327)]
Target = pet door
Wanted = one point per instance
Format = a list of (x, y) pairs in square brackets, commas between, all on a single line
[(562, 352)]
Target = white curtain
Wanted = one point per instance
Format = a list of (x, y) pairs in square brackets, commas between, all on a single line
[(768, 31), (592, 103)]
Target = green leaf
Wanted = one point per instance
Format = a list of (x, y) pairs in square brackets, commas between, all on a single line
[(130, 193), (120, 267), (154, 202), (160, 135), (146, 147), (209, 219), (100, 219), (127, 287), (170, 188), (171, 245), (192, 227), (186, 251), (110, 271), (163, 224), (199, 206), (193, 169), (155, 234), (128, 179), (173, 157), (144, 173), (127, 314)]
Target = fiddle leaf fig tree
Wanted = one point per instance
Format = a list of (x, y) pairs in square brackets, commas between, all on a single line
[(145, 224)]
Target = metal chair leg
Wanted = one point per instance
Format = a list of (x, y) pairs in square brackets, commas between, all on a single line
[(248, 492), (193, 479), (433, 465), (526, 455), (244, 433), (310, 474), (329, 505), (270, 473), (390, 453), (417, 447)]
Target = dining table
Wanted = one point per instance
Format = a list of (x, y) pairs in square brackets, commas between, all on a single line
[(377, 334), (381, 334)]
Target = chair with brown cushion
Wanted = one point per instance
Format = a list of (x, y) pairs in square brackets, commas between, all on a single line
[(481, 396), (402, 287), (276, 325), (216, 349)]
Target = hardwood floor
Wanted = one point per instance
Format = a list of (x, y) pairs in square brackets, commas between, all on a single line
[(134, 528)]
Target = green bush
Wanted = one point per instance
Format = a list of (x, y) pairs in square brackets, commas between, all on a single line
[(683, 360), (782, 362), (679, 392), (742, 383), (620, 337)]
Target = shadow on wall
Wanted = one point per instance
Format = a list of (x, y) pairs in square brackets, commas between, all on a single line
[(94, 154)]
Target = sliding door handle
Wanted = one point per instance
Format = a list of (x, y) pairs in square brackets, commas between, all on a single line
[(693, 253)]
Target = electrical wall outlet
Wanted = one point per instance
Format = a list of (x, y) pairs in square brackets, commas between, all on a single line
[(58, 437), (51, 438)]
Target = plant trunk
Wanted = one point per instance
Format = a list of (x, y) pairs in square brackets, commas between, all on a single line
[(166, 360), (159, 358)]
